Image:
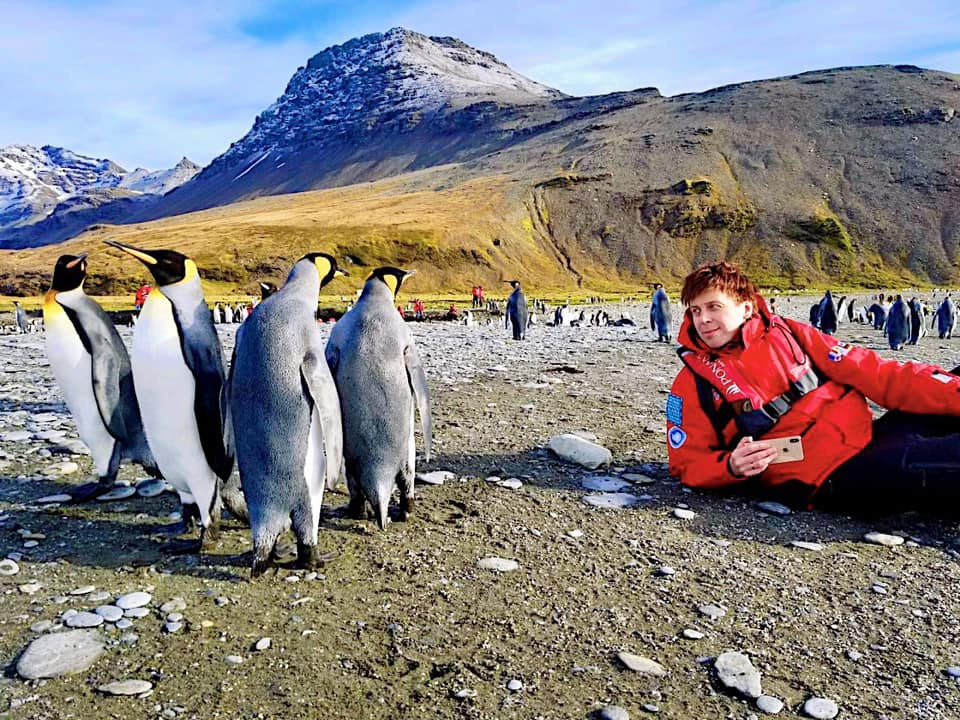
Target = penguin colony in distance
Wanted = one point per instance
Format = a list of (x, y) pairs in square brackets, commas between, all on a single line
[(284, 414), (92, 368), (178, 371), (380, 381), (517, 311), (660, 314)]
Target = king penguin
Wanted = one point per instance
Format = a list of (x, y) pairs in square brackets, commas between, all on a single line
[(827, 317), (517, 310), (92, 368), (379, 379), (20, 317), (898, 324), (946, 317), (284, 413), (178, 371), (660, 319)]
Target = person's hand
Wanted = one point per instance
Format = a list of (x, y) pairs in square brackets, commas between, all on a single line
[(750, 458)]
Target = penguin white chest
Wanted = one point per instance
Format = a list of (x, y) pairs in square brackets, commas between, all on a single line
[(166, 390), (72, 367)]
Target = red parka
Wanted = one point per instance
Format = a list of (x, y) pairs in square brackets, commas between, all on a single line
[(834, 419)]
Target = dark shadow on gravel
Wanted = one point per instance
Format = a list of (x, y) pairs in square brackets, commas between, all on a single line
[(726, 516), (119, 534), (34, 408)]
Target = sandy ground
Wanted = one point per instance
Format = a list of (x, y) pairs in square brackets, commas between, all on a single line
[(404, 623)]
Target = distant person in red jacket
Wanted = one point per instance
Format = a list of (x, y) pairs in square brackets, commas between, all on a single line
[(141, 297), (753, 380)]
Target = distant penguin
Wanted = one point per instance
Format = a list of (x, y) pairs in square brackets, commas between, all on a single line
[(380, 380), (898, 324), (284, 414), (827, 315), (91, 365), (517, 310), (918, 321), (842, 310), (879, 314), (178, 371), (20, 316), (946, 317), (660, 314), (852, 311)]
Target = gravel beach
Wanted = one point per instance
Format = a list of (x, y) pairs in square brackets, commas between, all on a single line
[(523, 587)]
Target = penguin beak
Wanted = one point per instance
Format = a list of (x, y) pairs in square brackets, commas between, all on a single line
[(76, 261), (142, 255), (408, 273), (340, 273)]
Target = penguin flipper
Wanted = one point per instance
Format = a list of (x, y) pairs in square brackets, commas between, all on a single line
[(108, 362), (421, 395), (323, 392), (229, 445), (201, 352)]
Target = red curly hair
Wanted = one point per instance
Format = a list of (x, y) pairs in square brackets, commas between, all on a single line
[(722, 276)]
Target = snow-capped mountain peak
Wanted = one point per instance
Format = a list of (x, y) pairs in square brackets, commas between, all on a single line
[(160, 182), (33, 181), (382, 81)]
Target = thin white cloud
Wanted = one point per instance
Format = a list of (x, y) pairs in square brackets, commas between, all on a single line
[(145, 83)]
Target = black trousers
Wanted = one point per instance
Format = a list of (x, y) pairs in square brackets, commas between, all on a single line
[(911, 463)]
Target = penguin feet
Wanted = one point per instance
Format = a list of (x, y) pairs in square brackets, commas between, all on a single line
[(357, 510), (183, 547), (309, 557), (90, 491), (208, 537), (189, 521), (406, 508)]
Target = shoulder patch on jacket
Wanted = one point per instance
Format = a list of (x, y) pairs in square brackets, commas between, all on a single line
[(675, 409), (676, 437), (839, 351)]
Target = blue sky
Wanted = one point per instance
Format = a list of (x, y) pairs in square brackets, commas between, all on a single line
[(146, 83)]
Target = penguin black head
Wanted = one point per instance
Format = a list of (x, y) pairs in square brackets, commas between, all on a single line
[(69, 272), (391, 277), (326, 266), (266, 289), (168, 267), (513, 283)]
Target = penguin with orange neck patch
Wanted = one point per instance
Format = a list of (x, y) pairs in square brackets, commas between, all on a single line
[(92, 368), (380, 381), (178, 370)]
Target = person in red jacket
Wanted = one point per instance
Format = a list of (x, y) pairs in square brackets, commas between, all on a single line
[(751, 378), (141, 297)]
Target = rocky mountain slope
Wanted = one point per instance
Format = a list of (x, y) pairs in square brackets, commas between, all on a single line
[(843, 176)]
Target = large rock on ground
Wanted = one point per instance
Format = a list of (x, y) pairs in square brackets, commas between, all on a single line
[(736, 672), (59, 654), (575, 449)]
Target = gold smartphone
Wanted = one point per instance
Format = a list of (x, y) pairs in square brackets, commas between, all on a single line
[(789, 449)]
